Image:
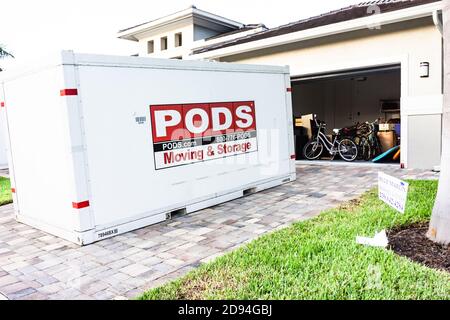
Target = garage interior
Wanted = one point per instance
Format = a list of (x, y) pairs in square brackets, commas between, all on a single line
[(348, 98)]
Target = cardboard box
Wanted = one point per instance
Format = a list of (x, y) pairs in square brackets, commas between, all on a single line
[(386, 127), (387, 140), (306, 122)]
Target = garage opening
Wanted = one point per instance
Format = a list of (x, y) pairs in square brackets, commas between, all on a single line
[(361, 105)]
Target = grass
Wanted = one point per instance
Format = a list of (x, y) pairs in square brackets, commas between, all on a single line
[(319, 259), (5, 191)]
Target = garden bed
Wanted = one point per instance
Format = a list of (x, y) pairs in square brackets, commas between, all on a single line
[(411, 241)]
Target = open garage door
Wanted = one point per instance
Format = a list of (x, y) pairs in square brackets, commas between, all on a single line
[(346, 99)]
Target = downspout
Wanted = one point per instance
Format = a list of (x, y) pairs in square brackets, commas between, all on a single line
[(437, 19)]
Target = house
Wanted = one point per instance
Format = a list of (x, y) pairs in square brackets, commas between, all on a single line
[(176, 35), (376, 59)]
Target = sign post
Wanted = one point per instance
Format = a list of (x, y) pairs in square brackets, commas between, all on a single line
[(393, 192)]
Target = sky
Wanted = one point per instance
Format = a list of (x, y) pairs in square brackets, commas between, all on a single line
[(31, 28)]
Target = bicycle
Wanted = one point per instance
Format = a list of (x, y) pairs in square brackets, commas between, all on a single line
[(367, 141), (345, 147)]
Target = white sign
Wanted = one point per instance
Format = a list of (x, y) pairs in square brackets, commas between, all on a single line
[(392, 191)]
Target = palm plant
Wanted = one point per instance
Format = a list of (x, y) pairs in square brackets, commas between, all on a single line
[(4, 53)]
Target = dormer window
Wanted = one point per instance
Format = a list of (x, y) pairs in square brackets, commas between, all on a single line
[(163, 43), (150, 47), (178, 39)]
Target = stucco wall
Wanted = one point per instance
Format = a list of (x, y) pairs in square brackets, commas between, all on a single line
[(184, 27), (419, 40)]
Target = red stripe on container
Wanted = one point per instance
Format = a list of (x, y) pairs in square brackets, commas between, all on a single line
[(80, 205), (2, 104), (293, 156), (68, 92), (13, 190), (289, 89)]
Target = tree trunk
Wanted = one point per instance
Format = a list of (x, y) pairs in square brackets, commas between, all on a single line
[(440, 221)]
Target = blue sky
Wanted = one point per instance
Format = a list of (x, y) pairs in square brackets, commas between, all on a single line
[(29, 28)]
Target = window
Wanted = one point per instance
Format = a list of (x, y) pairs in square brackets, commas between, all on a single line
[(150, 47), (178, 39), (164, 43)]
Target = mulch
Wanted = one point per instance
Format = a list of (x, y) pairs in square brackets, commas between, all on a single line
[(411, 241)]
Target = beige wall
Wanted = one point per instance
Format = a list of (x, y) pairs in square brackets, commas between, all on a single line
[(415, 41)]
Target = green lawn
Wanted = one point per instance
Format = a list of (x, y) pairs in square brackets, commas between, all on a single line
[(5, 191), (319, 259)]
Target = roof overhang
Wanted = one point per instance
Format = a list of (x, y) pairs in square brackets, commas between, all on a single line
[(192, 12), (220, 38), (372, 21)]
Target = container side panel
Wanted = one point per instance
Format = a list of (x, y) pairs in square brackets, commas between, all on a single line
[(3, 140), (125, 181), (3, 132), (40, 149), (5, 127)]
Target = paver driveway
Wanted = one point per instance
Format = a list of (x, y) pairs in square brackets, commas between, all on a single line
[(35, 265)]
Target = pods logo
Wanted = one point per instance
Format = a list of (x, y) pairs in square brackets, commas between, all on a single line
[(188, 133)]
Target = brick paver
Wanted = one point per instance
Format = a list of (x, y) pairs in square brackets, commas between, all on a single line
[(35, 265)]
